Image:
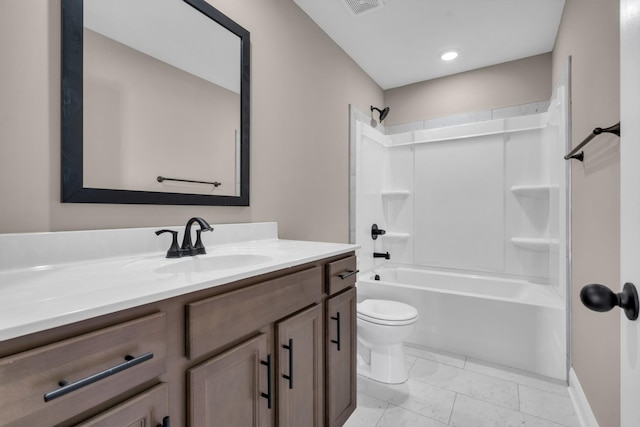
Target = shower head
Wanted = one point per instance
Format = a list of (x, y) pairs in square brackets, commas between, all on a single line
[(383, 113)]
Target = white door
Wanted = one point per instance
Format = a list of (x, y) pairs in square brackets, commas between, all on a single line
[(630, 204)]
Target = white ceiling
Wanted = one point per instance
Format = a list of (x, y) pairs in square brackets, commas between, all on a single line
[(178, 35), (401, 42)]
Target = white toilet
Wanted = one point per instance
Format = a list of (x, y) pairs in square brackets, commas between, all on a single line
[(382, 328)]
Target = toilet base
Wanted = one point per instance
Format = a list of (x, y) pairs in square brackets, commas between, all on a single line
[(382, 363)]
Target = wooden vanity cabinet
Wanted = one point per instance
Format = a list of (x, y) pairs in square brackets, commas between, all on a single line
[(221, 357), (52, 384), (280, 369), (148, 409), (270, 379), (341, 350)]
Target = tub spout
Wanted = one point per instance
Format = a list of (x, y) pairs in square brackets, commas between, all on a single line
[(382, 255)]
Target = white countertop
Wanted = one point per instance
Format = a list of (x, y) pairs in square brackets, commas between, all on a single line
[(39, 296)]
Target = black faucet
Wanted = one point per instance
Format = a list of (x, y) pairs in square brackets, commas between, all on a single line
[(381, 255), (187, 248)]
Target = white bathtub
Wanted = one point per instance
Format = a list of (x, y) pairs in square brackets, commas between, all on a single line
[(509, 322)]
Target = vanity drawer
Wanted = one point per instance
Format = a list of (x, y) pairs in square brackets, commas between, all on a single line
[(341, 274), (96, 367), (219, 320)]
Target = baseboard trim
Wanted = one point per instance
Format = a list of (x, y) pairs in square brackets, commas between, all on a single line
[(580, 402)]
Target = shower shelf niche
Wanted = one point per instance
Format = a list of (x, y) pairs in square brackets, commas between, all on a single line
[(534, 244), (541, 190), (396, 236), (395, 194)]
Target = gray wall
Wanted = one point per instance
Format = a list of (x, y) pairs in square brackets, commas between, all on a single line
[(590, 33), (513, 83), (302, 85)]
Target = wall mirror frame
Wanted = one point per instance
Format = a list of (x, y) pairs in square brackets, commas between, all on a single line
[(72, 167)]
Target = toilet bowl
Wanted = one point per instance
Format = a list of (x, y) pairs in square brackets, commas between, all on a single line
[(382, 328)]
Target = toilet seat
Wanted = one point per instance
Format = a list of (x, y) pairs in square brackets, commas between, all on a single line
[(384, 312)]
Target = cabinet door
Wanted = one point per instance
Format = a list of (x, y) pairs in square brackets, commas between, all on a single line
[(341, 357), (231, 389), (300, 369), (147, 409)]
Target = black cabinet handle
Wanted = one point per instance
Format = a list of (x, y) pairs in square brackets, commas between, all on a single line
[(166, 422), (337, 319), (290, 376), (67, 387), (348, 274), (268, 394)]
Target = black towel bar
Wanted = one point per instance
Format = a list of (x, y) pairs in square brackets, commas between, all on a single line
[(597, 131), (164, 178)]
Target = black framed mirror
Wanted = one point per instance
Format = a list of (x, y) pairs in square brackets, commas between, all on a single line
[(155, 103)]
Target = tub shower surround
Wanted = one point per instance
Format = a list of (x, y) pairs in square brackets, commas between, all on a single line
[(476, 224)]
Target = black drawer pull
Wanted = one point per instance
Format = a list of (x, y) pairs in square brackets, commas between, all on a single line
[(268, 394), (348, 274), (166, 422), (69, 387), (290, 376), (337, 319)]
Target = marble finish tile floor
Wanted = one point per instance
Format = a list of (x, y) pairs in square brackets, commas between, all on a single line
[(450, 390)]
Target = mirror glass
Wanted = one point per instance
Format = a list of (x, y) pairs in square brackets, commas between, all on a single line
[(162, 91)]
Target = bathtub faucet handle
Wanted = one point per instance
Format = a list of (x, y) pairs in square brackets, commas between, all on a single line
[(382, 255), (375, 231)]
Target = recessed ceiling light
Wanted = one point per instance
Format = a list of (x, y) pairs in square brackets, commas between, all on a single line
[(449, 55)]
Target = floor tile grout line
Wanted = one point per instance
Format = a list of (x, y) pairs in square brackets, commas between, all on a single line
[(496, 373), (455, 398), (476, 397), (505, 369), (447, 390), (546, 390), (482, 400), (410, 410), (520, 383), (513, 381), (382, 414), (389, 404), (524, 374), (546, 420)]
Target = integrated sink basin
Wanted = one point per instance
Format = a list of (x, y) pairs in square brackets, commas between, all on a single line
[(204, 263)]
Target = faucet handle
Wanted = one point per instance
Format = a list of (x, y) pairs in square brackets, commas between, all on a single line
[(174, 250), (199, 247), (375, 232)]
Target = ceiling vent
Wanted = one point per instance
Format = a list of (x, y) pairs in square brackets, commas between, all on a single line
[(358, 7)]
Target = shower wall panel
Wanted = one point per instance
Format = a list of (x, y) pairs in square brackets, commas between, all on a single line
[(486, 197), (397, 200), (459, 209), (528, 212), (372, 173)]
